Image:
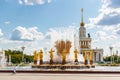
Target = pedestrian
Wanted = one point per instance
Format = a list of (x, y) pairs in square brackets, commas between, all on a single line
[(14, 70)]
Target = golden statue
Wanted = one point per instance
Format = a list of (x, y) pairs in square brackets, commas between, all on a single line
[(90, 52), (35, 57), (76, 55), (41, 57), (86, 57), (51, 56), (64, 56), (91, 57)]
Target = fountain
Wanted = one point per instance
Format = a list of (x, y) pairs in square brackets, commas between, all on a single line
[(64, 64), (2, 59), (63, 51)]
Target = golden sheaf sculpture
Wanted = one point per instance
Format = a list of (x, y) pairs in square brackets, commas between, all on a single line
[(61, 45)]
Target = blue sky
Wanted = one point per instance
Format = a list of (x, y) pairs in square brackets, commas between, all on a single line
[(54, 14), (37, 23)]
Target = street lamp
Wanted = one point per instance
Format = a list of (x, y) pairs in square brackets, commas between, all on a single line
[(23, 53), (9, 60), (113, 57), (117, 55), (111, 52)]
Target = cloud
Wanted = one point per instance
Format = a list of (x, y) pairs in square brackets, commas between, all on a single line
[(111, 3), (7, 22), (109, 14), (108, 23), (62, 33), (49, 1), (104, 36), (116, 45), (26, 34), (20, 1), (33, 2), (32, 39), (1, 33), (111, 17), (16, 45), (113, 29)]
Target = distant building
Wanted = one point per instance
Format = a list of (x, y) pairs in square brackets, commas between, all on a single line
[(85, 43), (2, 59), (97, 55)]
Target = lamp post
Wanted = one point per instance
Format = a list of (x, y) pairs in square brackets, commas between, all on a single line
[(23, 53), (117, 55), (113, 57), (9, 60), (111, 52)]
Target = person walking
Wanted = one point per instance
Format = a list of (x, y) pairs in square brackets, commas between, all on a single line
[(14, 70)]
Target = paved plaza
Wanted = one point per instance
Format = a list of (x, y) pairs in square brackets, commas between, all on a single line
[(38, 76)]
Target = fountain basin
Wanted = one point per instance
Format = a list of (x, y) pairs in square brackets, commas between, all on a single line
[(65, 66)]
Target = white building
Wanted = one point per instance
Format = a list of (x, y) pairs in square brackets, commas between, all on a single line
[(97, 55), (85, 43)]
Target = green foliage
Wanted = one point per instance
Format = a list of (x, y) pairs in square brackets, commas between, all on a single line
[(16, 56), (106, 64), (28, 58), (114, 58), (108, 58)]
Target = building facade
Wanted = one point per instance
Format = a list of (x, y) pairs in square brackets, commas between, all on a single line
[(97, 55), (85, 43)]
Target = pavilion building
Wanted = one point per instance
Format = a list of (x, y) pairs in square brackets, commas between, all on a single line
[(85, 43)]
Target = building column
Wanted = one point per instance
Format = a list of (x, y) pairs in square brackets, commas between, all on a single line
[(84, 43), (100, 57), (87, 44), (81, 44)]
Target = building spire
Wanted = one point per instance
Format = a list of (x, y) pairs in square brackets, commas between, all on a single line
[(82, 15), (82, 22)]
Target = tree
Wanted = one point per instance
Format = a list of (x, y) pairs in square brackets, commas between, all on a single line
[(16, 56), (115, 57)]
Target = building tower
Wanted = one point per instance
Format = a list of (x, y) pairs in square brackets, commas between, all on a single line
[(82, 29), (84, 42), (90, 55)]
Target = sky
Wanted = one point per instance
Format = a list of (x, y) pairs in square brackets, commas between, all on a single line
[(37, 24)]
